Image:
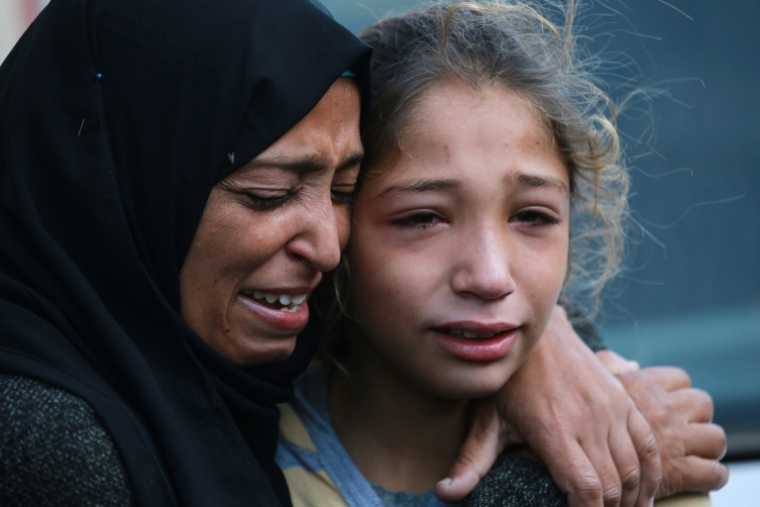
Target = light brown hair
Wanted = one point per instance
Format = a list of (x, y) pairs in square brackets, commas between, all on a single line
[(516, 45)]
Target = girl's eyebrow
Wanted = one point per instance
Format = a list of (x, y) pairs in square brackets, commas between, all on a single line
[(416, 187), (521, 179), (533, 181)]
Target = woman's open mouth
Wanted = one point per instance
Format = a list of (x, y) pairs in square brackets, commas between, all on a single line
[(286, 312), (282, 302)]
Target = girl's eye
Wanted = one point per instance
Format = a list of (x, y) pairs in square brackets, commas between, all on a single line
[(535, 218), (420, 220), (267, 200)]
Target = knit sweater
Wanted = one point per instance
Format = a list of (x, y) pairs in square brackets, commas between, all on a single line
[(54, 451), (516, 481)]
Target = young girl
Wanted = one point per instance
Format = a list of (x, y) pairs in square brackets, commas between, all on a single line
[(492, 183)]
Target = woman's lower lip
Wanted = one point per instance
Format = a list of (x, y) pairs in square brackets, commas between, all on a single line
[(287, 321), (473, 349)]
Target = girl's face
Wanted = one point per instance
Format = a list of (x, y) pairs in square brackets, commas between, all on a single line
[(460, 243)]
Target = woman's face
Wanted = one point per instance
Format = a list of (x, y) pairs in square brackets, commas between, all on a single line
[(268, 232), (460, 243)]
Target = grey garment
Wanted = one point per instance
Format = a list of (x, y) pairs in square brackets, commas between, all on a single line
[(54, 451), (516, 481)]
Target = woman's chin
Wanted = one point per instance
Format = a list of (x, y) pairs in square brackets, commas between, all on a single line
[(254, 351)]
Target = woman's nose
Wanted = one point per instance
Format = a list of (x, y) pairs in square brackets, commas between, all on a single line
[(483, 263), (317, 242)]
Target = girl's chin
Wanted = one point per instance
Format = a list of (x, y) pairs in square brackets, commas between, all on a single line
[(468, 385)]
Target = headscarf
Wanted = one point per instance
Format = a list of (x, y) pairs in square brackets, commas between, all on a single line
[(116, 119)]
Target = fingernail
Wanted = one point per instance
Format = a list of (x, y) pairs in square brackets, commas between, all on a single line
[(445, 482), (651, 502)]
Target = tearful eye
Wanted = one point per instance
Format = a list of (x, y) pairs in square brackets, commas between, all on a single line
[(420, 220), (535, 218)]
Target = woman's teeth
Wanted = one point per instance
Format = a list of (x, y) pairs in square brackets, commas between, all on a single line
[(289, 303)]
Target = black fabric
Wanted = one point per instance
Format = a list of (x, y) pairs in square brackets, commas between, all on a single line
[(116, 119)]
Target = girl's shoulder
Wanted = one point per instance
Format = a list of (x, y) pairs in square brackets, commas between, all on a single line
[(54, 449), (516, 481)]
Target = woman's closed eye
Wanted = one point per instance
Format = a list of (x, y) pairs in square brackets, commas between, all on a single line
[(343, 193), (267, 199)]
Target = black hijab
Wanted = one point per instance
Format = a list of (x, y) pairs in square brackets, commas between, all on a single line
[(117, 117)]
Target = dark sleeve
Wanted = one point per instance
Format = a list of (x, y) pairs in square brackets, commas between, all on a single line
[(54, 451), (516, 481)]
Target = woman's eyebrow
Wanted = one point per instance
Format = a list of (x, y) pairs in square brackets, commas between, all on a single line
[(534, 181), (305, 164), (416, 187)]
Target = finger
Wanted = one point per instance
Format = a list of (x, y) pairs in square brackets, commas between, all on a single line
[(703, 475), (607, 461), (669, 377), (572, 472), (696, 404), (628, 468), (615, 363), (476, 456), (704, 440), (648, 455)]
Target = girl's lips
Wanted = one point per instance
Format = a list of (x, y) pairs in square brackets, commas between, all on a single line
[(287, 320), (477, 349)]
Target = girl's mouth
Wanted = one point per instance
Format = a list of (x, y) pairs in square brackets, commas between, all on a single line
[(471, 335), (475, 342)]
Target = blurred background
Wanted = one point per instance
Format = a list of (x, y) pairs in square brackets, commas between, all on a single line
[(690, 295)]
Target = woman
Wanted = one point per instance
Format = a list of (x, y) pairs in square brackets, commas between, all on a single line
[(118, 118)]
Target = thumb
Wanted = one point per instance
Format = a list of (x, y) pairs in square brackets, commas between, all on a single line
[(484, 442)]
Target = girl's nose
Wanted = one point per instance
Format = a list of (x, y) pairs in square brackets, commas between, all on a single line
[(483, 270)]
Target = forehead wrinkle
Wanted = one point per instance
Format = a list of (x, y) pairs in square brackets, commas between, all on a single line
[(308, 163), (304, 163)]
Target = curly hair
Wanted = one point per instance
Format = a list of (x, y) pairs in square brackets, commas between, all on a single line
[(514, 44)]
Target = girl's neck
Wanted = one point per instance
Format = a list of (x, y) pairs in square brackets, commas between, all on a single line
[(398, 435)]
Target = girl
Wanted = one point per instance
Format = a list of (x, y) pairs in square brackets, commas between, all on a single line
[(485, 133)]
